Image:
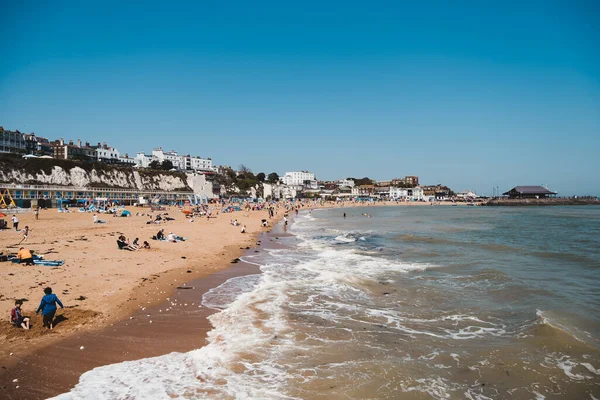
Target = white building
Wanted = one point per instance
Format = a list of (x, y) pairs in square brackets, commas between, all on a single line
[(468, 194), (182, 163), (345, 182), (199, 164), (407, 194), (127, 160), (143, 160), (107, 154), (303, 178), (397, 193), (179, 162)]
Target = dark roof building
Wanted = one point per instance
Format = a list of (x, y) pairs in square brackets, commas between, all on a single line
[(529, 192)]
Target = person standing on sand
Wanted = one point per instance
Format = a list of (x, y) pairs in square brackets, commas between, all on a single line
[(37, 213), (48, 307), (15, 222)]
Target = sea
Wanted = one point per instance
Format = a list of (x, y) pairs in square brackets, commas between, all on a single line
[(398, 302)]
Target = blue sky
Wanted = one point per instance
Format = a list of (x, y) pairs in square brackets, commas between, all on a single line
[(470, 94)]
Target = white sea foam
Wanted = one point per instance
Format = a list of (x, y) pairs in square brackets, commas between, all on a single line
[(345, 239), (223, 295), (568, 366)]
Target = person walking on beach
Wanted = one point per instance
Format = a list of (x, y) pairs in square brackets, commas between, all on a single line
[(17, 318), (15, 222), (37, 213), (48, 307)]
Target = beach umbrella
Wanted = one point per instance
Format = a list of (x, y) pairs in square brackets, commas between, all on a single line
[(2, 214)]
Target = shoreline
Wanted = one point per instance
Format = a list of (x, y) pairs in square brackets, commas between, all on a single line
[(28, 356), (130, 338)]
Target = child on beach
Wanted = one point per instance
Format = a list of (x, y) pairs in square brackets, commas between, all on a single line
[(17, 318), (48, 307), (25, 234)]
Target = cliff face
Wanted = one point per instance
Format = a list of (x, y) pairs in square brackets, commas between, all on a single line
[(82, 174)]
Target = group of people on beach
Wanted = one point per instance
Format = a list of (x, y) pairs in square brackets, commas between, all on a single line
[(47, 307), (124, 244)]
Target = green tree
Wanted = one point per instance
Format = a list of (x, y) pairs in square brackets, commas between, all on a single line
[(167, 165), (154, 165), (363, 181), (273, 177), (261, 176)]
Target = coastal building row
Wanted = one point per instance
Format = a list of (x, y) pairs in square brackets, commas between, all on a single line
[(180, 162), (31, 145)]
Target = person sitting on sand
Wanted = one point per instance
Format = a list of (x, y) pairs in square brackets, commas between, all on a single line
[(146, 245), (135, 242), (17, 318), (48, 307), (25, 256), (123, 244), (171, 237), (244, 229), (160, 235), (98, 221)]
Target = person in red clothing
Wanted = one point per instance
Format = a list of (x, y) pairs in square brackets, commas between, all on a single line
[(17, 318)]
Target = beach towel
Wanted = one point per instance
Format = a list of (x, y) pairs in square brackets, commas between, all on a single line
[(38, 260), (49, 263)]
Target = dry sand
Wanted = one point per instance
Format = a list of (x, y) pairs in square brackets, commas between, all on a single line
[(99, 283)]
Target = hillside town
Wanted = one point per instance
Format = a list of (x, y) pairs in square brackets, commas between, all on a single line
[(212, 182)]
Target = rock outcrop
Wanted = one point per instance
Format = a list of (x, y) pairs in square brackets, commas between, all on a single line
[(35, 171)]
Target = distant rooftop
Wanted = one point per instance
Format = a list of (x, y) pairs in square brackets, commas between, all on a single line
[(529, 190)]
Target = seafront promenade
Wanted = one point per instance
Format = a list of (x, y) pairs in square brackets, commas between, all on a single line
[(55, 193)]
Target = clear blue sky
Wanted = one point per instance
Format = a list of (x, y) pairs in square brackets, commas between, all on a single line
[(472, 94)]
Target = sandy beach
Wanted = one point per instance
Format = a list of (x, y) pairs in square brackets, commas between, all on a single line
[(111, 295)]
